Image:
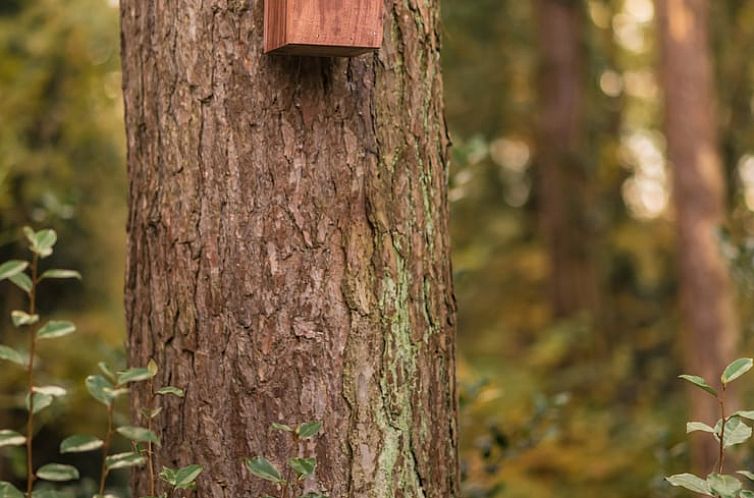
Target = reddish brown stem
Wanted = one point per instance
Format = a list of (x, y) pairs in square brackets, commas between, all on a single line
[(286, 486), (106, 450), (721, 457), (150, 456), (30, 378)]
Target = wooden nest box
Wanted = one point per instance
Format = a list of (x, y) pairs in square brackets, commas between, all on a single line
[(325, 28)]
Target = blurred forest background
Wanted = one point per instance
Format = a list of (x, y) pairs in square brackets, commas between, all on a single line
[(566, 258)]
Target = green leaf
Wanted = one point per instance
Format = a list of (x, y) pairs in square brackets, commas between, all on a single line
[(736, 369), (308, 429), (22, 281), (185, 476), (41, 401), (8, 490), (304, 467), (747, 414), (54, 391), (117, 391), (21, 318), (746, 474), (736, 432), (690, 482), (152, 367), (134, 375), (50, 493), (29, 234), (168, 475), (156, 411), (11, 438), (56, 328), (264, 469), (698, 426), (57, 472), (41, 242), (46, 239), (724, 485), (10, 354), (173, 391), (282, 427), (699, 382), (139, 434), (59, 274), (746, 494), (100, 389), (80, 444), (105, 369), (11, 268), (124, 460)]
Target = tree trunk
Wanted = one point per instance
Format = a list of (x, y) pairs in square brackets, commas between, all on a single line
[(563, 193), (288, 248), (706, 294)]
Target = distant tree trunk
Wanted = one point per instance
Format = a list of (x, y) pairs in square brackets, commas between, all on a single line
[(288, 248), (563, 192), (706, 294)]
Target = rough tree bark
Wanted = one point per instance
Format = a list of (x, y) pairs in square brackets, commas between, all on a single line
[(288, 253), (699, 188), (563, 193)]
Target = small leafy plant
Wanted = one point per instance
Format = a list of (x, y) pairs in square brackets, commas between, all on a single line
[(176, 479), (729, 431), (27, 276), (105, 388), (298, 468)]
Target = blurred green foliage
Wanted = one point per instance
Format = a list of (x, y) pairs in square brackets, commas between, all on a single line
[(619, 433), (732, 428), (62, 165)]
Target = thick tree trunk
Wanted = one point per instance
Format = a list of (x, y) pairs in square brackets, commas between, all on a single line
[(706, 294), (288, 248), (563, 193)]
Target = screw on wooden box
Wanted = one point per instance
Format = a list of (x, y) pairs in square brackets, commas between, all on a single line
[(325, 28)]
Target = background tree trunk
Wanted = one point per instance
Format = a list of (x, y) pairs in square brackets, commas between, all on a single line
[(563, 178), (288, 248), (706, 294)]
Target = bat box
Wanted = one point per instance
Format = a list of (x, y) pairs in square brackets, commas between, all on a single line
[(324, 28)]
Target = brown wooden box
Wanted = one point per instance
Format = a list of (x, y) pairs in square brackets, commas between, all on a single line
[(328, 28)]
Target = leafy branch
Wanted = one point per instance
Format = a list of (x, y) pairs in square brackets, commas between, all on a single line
[(298, 468), (25, 275), (106, 388), (729, 431)]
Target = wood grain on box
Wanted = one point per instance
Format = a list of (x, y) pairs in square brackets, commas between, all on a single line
[(331, 28)]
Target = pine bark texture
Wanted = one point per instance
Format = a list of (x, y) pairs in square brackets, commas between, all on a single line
[(288, 248), (699, 190), (563, 177)]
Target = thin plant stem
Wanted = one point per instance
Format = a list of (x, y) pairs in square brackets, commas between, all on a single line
[(286, 486), (292, 478), (30, 378), (106, 449), (150, 456), (721, 457)]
